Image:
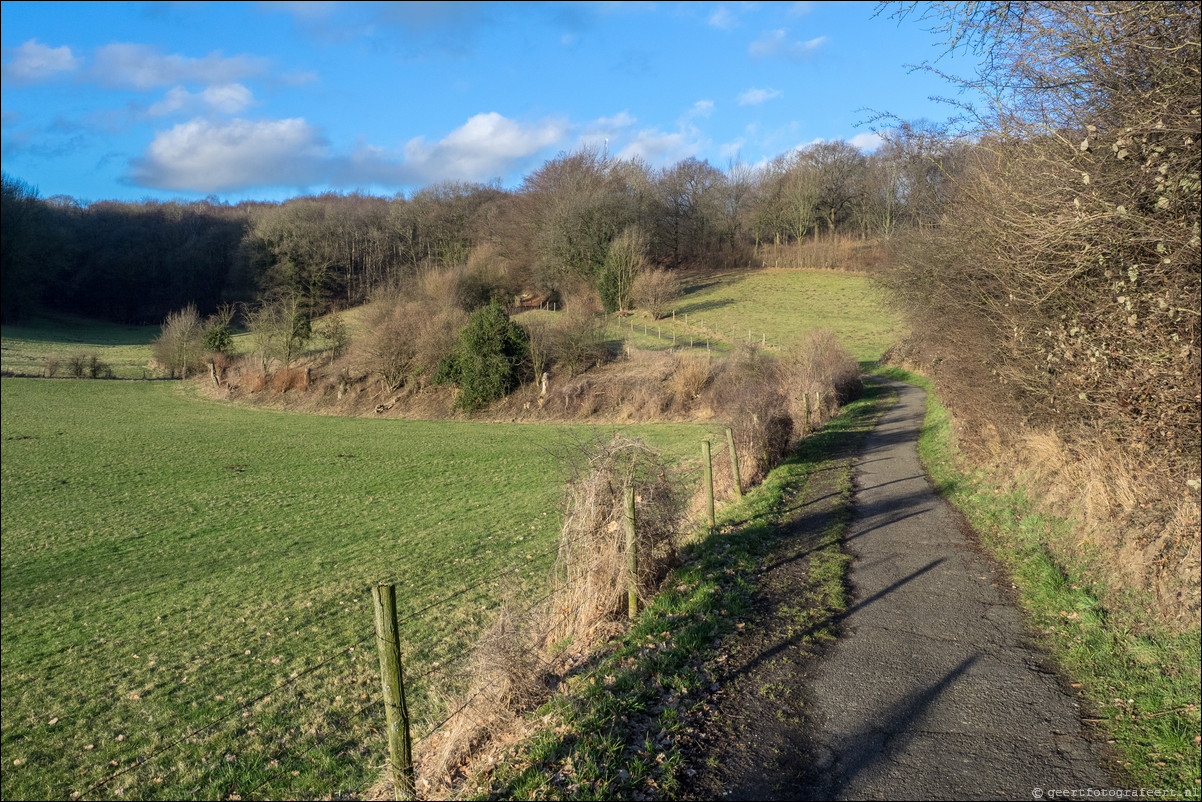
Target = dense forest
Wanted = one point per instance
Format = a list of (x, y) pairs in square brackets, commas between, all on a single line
[(136, 262)]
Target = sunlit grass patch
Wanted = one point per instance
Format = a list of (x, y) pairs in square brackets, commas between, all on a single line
[(168, 560)]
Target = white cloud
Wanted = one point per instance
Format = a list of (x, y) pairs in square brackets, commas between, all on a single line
[(620, 120), (134, 66), (722, 18), (204, 156), (702, 108), (656, 146), (730, 150), (487, 145), (34, 62), (867, 141), (207, 156), (754, 97), (599, 132), (776, 43), (225, 99)]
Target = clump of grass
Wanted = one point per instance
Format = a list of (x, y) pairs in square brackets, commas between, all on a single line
[(514, 665), (591, 574)]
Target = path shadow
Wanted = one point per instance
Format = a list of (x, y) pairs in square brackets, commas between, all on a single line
[(887, 732)]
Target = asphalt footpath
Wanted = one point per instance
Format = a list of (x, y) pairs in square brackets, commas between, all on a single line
[(933, 690)]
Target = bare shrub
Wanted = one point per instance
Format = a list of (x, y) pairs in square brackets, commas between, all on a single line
[(591, 565), (581, 296), (465, 287), (403, 344), (540, 346), (180, 345), (334, 331), (51, 365), (97, 368), (435, 339), (625, 259), (690, 375), (578, 341), (286, 379), (747, 392), (80, 364), (656, 291), (820, 364), (388, 348)]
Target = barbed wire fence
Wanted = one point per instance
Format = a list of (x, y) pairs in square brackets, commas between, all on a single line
[(235, 755), (693, 334)]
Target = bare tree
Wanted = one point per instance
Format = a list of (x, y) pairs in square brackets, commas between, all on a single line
[(656, 290), (180, 346)]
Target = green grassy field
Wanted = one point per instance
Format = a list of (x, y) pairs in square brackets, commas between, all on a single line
[(170, 562), (785, 304), (126, 349), (767, 307), (167, 559)]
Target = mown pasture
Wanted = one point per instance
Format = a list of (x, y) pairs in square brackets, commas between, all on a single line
[(167, 560)]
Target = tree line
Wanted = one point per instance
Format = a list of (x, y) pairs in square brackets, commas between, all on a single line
[(138, 262)]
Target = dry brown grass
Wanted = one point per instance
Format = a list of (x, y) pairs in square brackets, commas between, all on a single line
[(257, 382), (513, 667), (591, 578), (508, 674), (1134, 525), (840, 253), (689, 377), (286, 379), (1149, 539)]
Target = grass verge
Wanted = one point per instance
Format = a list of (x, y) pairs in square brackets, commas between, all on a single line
[(1140, 684), (616, 731)]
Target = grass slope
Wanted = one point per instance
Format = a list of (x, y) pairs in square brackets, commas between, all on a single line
[(778, 307), (167, 560), (786, 304)]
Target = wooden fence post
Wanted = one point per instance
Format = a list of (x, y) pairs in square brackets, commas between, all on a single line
[(632, 559), (708, 465), (734, 463), (805, 414), (400, 745)]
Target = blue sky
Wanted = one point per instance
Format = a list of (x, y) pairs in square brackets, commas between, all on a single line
[(270, 100)]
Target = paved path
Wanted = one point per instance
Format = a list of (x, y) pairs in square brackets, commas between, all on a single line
[(932, 692)]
